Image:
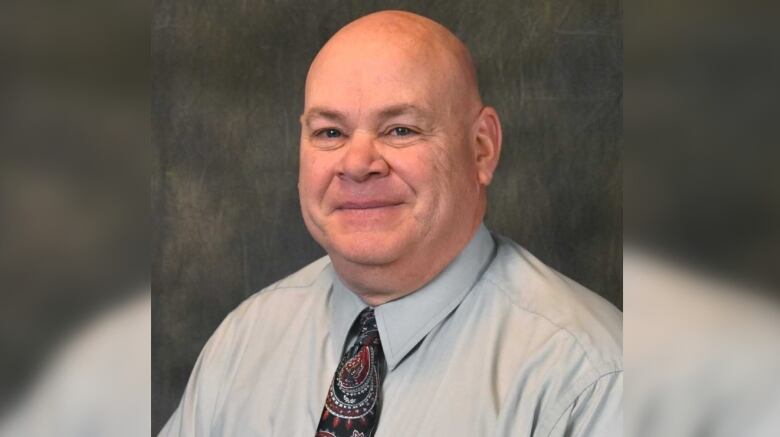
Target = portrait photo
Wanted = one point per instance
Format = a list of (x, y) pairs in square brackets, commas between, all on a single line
[(454, 166)]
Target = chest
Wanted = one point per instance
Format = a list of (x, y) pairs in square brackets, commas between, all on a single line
[(446, 386)]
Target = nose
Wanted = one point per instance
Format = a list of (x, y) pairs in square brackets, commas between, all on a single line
[(362, 160)]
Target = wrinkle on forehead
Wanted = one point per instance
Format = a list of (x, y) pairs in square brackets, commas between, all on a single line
[(424, 44)]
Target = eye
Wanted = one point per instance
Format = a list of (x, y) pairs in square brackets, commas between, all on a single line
[(332, 133), (401, 131)]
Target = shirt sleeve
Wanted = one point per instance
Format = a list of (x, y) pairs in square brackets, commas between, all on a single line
[(195, 414), (596, 412)]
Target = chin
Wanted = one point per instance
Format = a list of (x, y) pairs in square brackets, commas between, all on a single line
[(365, 249)]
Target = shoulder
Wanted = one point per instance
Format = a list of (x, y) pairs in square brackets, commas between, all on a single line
[(304, 278), (583, 318), (246, 340), (276, 305), (569, 338), (311, 281)]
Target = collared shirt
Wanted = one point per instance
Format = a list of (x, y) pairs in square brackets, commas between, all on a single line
[(497, 344)]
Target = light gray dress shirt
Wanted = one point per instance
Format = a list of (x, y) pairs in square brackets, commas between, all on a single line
[(498, 344)]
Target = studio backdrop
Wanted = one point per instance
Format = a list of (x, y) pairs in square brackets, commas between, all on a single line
[(228, 82)]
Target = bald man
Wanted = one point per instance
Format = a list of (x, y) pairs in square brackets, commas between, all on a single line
[(419, 322)]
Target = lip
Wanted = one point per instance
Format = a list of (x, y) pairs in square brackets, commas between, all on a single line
[(366, 204)]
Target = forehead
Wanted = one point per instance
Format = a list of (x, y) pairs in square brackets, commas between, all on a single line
[(376, 73)]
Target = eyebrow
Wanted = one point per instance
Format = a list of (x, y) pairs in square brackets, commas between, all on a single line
[(320, 112), (403, 109), (384, 114)]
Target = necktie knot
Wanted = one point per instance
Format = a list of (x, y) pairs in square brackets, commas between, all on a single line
[(369, 334)]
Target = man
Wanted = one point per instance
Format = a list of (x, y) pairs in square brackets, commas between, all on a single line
[(419, 322)]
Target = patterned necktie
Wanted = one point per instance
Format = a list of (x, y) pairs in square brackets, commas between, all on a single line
[(352, 406)]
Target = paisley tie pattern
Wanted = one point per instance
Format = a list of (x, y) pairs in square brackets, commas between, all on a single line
[(352, 406)]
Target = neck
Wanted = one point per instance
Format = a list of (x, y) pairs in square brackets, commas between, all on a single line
[(379, 284)]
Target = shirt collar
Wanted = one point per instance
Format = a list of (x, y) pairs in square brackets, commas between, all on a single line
[(405, 322), (344, 309)]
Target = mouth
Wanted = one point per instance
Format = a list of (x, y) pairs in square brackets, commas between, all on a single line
[(366, 205)]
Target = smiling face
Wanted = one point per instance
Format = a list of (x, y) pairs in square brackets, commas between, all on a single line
[(388, 169)]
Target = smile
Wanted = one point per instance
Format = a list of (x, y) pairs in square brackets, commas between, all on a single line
[(366, 205)]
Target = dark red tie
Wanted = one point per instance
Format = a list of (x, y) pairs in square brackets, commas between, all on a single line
[(352, 406)]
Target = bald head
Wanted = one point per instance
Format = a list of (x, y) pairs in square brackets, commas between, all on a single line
[(418, 45)]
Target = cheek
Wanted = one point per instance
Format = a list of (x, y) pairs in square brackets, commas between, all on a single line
[(443, 179), (315, 175), (426, 171)]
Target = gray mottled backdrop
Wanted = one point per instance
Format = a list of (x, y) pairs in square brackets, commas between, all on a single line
[(228, 81)]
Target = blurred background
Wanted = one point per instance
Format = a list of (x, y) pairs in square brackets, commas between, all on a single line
[(702, 219), (228, 82), (74, 217)]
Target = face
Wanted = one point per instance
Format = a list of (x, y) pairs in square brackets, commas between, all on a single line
[(386, 171)]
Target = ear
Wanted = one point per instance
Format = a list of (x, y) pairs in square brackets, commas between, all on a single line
[(488, 144)]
